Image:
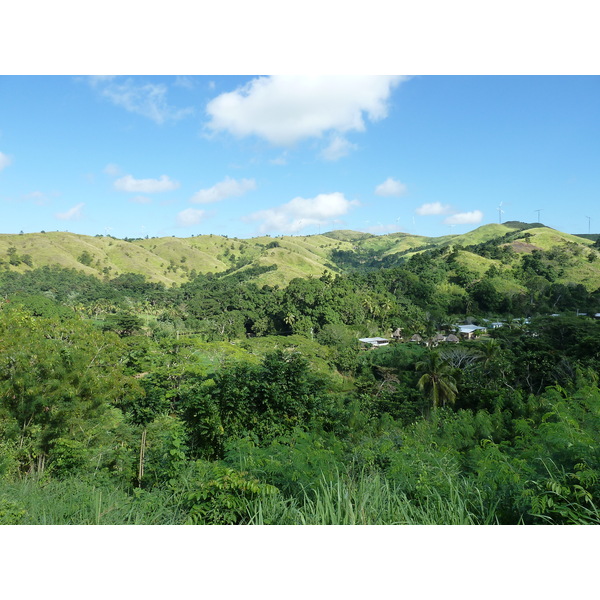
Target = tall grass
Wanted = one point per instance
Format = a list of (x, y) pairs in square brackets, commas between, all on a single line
[(365, 499), (370, 499), (80, 502)]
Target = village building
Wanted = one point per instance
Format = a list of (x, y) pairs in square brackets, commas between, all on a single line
[(375, 342), (468, 331)]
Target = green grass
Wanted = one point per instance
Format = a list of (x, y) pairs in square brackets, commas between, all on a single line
[(488, 232), (318, 355), (546, 238), (365, 499), (84, 502), (372, 500), (476, 263)]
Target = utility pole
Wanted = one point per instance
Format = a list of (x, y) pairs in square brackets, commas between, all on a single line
[(589, 224), (538, 211)]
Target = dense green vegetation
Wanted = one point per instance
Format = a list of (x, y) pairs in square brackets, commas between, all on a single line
[(227, 400)]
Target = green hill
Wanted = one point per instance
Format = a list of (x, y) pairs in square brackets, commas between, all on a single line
[(172, 260)]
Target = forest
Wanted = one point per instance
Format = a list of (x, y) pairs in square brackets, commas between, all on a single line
[(224, 400)]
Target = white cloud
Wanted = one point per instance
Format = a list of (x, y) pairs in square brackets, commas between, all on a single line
[(338, 147), (141, 200), (303, 212), (472, 217), (146, 186), (224, 189), (286, 109), (72, 214), (189, 217), (391, 187), (112, 169), (434, 208), (4, 161), (145, 99)]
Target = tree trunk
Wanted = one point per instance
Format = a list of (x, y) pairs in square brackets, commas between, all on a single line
[(142, 454)]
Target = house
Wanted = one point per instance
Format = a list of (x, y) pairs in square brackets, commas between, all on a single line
[(435, 340), (452, 338), (397, 335), (416, 338), (468, 331), (375, 342), (493, 324)]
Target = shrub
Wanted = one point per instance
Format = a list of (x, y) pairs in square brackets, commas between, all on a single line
[(222, 495)]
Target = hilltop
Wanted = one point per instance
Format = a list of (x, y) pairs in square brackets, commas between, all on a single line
[(276, 261)]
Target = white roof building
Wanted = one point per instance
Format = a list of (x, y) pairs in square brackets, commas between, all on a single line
[(375, 341), (468, 330)]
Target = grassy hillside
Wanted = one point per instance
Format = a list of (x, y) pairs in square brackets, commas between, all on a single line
[(172, 260)]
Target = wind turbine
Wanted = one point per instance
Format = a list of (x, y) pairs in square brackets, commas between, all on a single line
[(500, 212)]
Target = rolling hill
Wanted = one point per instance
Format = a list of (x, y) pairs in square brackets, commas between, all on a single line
[(173, 261)]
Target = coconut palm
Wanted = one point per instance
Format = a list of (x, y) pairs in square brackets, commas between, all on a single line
[(437, 381), (489, 352)]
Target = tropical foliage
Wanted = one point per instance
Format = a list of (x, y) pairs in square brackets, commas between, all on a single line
[(226, 401)]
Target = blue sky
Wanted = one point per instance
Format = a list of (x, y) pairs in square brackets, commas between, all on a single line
[(249, 155)]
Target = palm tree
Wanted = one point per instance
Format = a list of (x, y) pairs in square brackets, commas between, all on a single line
[(489, 352), (437, 381), (368, 305)]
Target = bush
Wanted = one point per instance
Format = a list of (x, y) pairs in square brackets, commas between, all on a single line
[(223, 495), (11, 513)]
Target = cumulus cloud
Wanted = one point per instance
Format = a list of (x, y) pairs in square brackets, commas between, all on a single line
[(338, 147), (434, 208), (390, 187), (145, 99), (303, 212), (465, 218), (146, 186), (4, 161), (227, 188), (73, 214), (286, 109), (189, 217)]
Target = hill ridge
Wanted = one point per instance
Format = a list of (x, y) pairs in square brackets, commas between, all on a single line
[(172, 260)]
